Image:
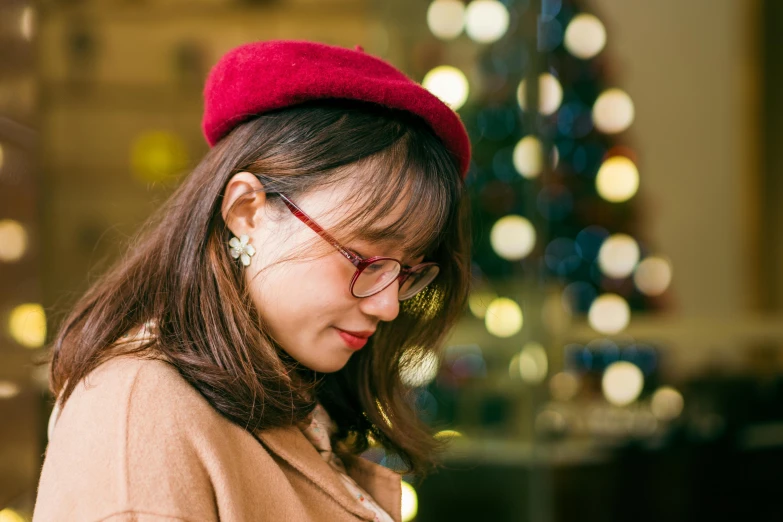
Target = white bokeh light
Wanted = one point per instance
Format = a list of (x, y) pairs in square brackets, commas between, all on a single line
[(653, 275), (585, 36), (528, 157), (617, 180), (513, 237), (613, 111), (622, 383), (550, 94), (449, 84), (504, 317), (486, 21), (8, 390), (609, 314), (410, 503), (446, 18), (618, 256)]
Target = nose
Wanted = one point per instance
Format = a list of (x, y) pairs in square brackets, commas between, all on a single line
[(385, 305)]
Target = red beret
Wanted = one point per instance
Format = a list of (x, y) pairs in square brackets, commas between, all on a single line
[(262, 76)]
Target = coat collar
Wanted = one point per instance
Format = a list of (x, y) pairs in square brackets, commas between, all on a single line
[(381, 483)]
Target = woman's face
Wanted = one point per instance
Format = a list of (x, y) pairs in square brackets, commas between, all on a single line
[(307, 302)]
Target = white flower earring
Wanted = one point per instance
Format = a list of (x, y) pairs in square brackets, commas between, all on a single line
[(240, 248)]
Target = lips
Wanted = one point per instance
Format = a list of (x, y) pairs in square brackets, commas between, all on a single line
[(355, 340)]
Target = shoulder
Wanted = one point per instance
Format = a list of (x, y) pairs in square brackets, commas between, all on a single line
[(133, 433)]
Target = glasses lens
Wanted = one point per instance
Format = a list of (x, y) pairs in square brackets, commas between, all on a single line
[(375, 277), (418, 280)]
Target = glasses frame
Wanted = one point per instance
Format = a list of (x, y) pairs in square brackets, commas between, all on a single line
[(359, 262)]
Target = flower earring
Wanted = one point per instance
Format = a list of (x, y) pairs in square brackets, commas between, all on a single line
[(240, 248)]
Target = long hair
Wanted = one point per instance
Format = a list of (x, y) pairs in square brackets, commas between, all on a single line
[(179, 273)]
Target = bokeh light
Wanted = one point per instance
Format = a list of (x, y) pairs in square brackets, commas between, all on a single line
[(613, 111), (8, 390), (617, 180), (533, 363), (529, 157), (410, 502), (622, 383), (585, 36), (653, 276), (13, 240), (619, 256), (449, 84), (448, 435), (2, 156), (504, 317), (667, 403), (486, 21), (9, 515), (27, 22), (27, 325), (478, 302), (563, 386), (609, 314), (550, 94), (158, 156), (446, 18), (513, 237), (418, 367)]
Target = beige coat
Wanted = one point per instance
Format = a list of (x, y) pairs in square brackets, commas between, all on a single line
[(137, 442)]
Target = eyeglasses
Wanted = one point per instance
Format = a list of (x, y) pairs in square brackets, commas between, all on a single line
[(373, 274)]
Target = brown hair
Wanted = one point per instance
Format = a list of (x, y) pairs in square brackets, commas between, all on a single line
[(178, 272)]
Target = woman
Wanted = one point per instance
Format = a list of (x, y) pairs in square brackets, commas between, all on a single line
[(236, 361)]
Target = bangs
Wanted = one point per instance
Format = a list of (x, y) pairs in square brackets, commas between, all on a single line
[(405, 195)]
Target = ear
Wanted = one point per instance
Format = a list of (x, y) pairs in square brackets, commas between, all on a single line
[(243, 200)]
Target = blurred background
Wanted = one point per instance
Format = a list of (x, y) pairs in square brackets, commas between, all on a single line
[(622, 355)]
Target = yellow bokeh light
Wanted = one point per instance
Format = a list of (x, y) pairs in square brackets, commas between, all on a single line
[(8, 390), (622, 383), (158, 156), (609, 314), (2, 156), (446, 18), (486, 21), (478, 302), (27, 325), (653, 276), (563, 386), (618, 256), (13, 240), (617, 180), (613, 111), (533, 363), (667, 403), (448, 435), (449, 84), (418, 367), (512, 237), (529, 157), (504, 317), (585, 36), (410, 502), (9, 515), (550, 94)]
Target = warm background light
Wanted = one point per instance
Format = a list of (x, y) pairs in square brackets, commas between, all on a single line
[(528, 157), (585, 36), (513, 237), (410, 502), (617, 180), (533, 363), (613, 111), (446, 18), (618, 256), (13, 240), (622, 383), (486, 21), (653, 276), (449, 84), (609, 314), (550, 94), (667, 403), (27, 325), (504, 317)]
